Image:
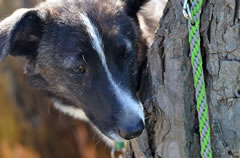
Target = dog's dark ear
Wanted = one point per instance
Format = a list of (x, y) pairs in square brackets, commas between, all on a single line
[(133, 6), (21, 33)]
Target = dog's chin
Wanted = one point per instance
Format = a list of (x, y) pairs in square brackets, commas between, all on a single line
[(109, 138)]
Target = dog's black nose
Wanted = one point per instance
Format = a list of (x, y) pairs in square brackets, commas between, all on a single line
[(132, 131)]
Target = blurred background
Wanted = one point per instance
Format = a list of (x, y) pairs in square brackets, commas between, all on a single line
[(29, 126)]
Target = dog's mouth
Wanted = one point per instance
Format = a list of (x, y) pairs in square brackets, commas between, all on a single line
[(120, 134), (109, 138)]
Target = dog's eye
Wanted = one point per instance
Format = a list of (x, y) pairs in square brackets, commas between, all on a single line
[(79, 69)]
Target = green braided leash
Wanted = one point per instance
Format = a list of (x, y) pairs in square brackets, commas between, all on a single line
[(193, 15)]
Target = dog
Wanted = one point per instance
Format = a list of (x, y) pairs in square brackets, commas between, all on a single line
[(86, 55)]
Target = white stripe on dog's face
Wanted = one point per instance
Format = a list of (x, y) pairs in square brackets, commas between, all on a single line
[(130, 105)]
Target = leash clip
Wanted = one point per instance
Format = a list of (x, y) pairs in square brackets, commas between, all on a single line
[(186, 10)]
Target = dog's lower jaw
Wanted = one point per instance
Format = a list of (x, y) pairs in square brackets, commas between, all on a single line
[(78, 113), (109, 141)]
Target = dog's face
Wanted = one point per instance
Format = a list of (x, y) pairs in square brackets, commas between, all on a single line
[(84, 55)]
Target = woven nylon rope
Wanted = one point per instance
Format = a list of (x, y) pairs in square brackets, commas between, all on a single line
[(199, 84)]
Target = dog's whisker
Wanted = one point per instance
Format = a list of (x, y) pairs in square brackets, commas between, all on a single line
[(95, 134), (98, 141), (147, 117)]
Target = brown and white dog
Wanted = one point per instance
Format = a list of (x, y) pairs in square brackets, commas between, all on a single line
[(85, 54)]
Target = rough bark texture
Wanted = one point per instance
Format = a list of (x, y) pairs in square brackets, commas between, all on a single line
[(221, 41), (172, 125)]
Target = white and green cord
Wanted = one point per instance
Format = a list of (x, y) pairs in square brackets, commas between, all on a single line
[(192, 13)]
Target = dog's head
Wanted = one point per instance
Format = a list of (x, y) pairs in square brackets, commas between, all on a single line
[(84, 53)]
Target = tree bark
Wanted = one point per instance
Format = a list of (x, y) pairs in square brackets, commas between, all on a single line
[(168, 91)]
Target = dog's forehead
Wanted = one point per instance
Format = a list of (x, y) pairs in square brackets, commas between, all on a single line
[(108, 16), (76, 31)]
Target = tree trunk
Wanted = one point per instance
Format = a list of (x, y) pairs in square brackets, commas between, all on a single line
[(168, 91)]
